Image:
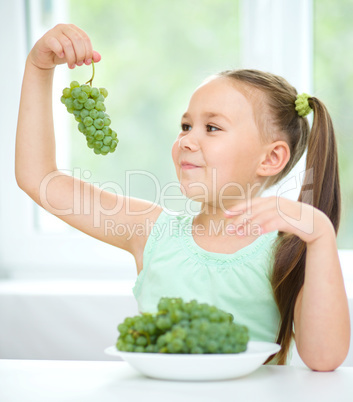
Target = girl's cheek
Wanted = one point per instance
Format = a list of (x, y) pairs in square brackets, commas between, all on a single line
[(175, 152)]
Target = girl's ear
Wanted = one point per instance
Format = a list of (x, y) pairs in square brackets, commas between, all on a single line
[(275, 159)]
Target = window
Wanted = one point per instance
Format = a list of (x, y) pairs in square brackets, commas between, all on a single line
[(154, 54)]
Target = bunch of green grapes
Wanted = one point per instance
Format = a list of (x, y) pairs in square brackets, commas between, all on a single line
[(180, 327), (86, 103)]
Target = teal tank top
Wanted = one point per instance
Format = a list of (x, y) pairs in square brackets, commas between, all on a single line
[(174, 265)]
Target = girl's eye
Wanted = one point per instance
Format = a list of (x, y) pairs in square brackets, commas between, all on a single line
[(210, 128), (185, 127)]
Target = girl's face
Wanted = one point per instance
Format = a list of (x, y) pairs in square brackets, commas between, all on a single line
[(219, 136)]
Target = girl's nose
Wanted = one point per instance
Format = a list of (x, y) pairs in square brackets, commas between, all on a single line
[(188, 142)]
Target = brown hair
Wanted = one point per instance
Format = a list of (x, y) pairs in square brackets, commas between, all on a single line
[(277, 118)]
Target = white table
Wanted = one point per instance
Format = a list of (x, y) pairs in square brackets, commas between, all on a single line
[(100, 381)]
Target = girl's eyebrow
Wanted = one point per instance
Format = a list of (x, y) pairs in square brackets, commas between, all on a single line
[(209, 114)]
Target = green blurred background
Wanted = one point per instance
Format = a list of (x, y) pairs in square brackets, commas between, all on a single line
[(149, 86), (149, 91)]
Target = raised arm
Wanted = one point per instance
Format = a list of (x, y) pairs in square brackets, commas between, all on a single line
[(35, 141), (84, 206)]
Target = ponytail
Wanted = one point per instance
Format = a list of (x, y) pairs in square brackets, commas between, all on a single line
[(321, 189), (323, 158)]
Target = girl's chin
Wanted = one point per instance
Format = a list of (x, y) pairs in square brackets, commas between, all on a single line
[(193, 193)]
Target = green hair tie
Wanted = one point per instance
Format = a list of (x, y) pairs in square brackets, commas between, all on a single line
[(302, 104)]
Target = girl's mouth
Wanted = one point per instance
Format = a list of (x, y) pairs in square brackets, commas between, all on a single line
[(185, 165), (188, 167)]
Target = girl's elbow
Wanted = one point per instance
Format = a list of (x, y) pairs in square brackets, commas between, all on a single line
[(323, 367), (326, 363)]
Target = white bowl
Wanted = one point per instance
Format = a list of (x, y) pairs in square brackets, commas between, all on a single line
[(198, 367)]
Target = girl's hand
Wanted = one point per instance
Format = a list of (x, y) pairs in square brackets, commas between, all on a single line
[(65, 43), (266, 214)]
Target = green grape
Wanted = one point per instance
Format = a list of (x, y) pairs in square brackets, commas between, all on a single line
[(86, 103), (123, 329), (99, 135), (78, 105), (91, 130), (105, 148), (141, 341), (98, 123), (104, 92), (86, 88), (76, 92), (77, 113), (107, 140), (164, 323), (82, 97), (129, 321), (179, 327), (191, 341), (129, 348), (150, 349), (74, 84), (67, 92), (89, 139), (94, 114), (175, 346), (89, 104), (88, 121), (107, 131), (197, 350), (100, 98), (69, 103), (140, 326), (98, 144), (81, 127), (113, 144), (94, 93), (100, 106), (84, 113)]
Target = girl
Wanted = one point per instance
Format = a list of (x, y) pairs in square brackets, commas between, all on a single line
[(270, 261)]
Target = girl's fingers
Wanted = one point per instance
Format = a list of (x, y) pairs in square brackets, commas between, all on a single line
[(84, 47), (77, 43), (70, 54), (265, 209), (248, 227), (55, 46), (87, 43), (77, 46), (96, 56), (90, 54), (252, 221), (249, 204)]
